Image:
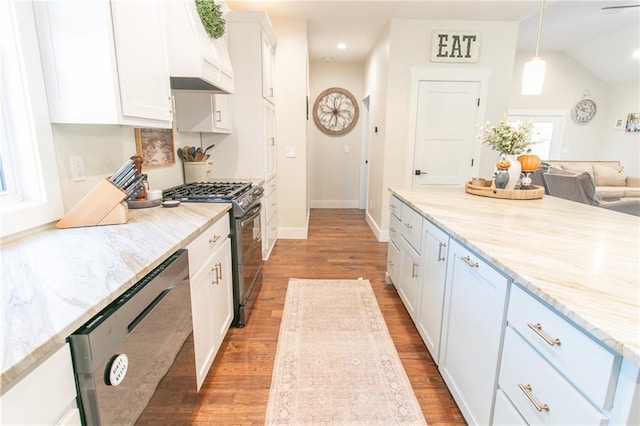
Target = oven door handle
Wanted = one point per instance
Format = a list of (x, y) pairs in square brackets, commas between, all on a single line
[(253, 213)]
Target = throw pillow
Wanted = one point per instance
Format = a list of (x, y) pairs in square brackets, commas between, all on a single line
[(609, 175), (556, 171), (578, 168)]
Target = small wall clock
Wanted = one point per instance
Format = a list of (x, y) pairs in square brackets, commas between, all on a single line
[(335, 111), (584, 110)]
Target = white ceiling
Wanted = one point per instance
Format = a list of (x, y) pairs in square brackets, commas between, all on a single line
[(602, 41)]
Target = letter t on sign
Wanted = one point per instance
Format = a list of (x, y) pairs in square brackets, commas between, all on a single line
[(455, 46)]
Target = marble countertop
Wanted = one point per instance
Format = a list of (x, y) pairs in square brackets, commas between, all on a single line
[(582, 260), (55, 280)]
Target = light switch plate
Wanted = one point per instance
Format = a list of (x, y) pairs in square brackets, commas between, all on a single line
[(290, 152)]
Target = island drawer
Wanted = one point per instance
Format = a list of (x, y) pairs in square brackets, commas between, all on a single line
[(588, 365), (412, 227), (539, 393), (201, 249), (395, 229), (395, 206), (393, 262)]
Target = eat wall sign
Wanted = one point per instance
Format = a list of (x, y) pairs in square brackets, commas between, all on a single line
[(455, 46)]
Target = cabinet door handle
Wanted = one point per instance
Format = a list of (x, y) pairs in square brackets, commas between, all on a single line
[(218, 116), (528, 391), (214, 239), (408, 225), (390, 263), (218, 272), (537, 328), (414, 271), (272, 141), (393, 230), (440, 256), (214, 278), (470, 262)]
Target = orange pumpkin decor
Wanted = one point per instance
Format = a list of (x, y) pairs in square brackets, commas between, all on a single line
[(503, 164), (529, 162)]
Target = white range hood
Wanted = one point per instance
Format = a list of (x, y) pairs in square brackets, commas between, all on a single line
[(196, 61)]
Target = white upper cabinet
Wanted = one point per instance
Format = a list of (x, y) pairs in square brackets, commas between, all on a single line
[(105, 62), (196, 61), (268, 63), (202, 111)]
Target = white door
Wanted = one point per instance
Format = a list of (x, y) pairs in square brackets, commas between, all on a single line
[(446, 121)]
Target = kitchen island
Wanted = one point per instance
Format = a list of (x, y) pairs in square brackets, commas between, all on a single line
[(55, 280), (573, 265)]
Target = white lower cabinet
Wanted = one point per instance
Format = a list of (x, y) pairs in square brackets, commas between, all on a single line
[(211, 293), (409, 279), (504, 413), (538, 391), (269, 217), (473, 324), (46, 396), (431, 300)]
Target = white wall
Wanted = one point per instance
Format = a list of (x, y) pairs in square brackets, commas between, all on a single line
[(616, 144), (566, 81), (103, 149), (335, 174), (409, 46), (375, 86), (291, 88)]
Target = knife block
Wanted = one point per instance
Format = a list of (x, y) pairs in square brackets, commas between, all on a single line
[(103, 205)]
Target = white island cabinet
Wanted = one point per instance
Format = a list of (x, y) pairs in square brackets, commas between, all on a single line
[(435, 252), (46, 396), (105, 62), (521, 339), (211, 293)]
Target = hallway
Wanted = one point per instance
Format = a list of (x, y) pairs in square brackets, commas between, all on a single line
[(340, 245)]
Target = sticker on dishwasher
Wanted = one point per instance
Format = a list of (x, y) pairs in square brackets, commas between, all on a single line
[(116, 370)]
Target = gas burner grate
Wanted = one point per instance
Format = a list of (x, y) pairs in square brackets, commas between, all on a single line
[(207, 191)]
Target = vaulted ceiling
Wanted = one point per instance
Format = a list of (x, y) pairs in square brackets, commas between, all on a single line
[(601, 40)]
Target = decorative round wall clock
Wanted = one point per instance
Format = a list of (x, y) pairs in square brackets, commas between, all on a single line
[(335, 111), (583, 111)]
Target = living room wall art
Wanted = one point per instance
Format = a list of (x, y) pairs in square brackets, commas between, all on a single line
[(633, 122)]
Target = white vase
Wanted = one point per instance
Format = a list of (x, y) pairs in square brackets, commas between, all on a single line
[(514, 171)]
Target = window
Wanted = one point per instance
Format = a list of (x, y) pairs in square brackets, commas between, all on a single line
[(30, 191), (547, 131)]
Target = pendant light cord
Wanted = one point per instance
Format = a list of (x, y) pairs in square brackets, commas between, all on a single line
[(539, 27)]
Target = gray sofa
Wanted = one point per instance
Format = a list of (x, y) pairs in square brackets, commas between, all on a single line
[(609, 177), (580, 188)]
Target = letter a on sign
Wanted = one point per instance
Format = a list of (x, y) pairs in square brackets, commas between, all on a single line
[(455, 46)]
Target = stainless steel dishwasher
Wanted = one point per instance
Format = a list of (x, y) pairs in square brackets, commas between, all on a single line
[(121, 354)]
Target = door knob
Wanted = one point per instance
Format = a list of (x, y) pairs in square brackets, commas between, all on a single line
[(419, 172)]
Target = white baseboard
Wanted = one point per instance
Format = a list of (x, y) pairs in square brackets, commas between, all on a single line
[(381, 235), (334, 204)]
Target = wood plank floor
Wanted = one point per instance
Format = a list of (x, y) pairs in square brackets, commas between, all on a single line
[(340, 245)]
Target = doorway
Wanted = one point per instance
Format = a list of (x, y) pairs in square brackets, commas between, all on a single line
[(364, 156)]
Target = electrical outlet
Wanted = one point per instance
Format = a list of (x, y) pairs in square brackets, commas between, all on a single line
[(77, 168)]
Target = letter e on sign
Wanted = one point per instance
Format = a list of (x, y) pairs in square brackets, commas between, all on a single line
[(455, 46)]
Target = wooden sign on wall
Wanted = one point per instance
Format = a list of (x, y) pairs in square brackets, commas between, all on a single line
[(455, 46)]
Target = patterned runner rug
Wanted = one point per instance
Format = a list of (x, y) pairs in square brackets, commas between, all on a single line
[(335, 361)]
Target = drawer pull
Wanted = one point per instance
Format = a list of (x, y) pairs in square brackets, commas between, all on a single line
[(393, 230), (528, 391), (408, 225), (470, 262), (440, 256), (214, 239), (414, 271), (537, 328)]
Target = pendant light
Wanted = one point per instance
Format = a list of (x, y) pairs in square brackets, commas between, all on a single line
[(533, 75)]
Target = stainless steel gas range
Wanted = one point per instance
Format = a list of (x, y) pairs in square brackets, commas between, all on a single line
[(246, 234)]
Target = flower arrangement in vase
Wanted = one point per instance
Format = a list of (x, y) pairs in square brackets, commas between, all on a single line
[(508, 140)]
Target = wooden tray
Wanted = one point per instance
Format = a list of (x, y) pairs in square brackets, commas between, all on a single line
[(509, 194)]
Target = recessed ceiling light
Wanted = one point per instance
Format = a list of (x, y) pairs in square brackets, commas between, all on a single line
[(636, 54), (342, 46)]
